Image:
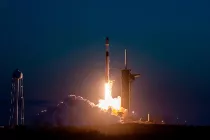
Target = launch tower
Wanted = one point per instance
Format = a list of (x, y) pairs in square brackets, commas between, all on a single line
[(17, 99), (127, 79)]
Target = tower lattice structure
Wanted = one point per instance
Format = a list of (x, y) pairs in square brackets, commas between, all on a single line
[(17, 100)]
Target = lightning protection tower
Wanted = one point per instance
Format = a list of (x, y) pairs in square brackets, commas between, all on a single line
[(17, 100)]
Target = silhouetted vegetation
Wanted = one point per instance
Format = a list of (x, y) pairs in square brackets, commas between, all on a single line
[(118, 131)]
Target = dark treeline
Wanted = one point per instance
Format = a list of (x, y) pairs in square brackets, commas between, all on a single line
[(126, 131)]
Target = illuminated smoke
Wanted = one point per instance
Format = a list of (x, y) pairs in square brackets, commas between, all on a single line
[(75, 111), (81, 98)]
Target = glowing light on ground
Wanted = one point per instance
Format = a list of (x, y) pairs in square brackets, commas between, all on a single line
[(109, 102)]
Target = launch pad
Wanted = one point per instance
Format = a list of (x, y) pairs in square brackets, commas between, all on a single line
[(123, 107), (126, 80), (120, 106)]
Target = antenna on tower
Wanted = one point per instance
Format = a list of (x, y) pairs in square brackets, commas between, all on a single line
[(125, 59)]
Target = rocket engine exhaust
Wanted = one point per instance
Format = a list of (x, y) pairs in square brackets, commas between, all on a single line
[(107, 61)]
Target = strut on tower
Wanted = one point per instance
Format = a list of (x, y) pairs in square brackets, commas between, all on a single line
[(17, 100)]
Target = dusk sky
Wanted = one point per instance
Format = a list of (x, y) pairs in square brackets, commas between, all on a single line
[(59, 47)]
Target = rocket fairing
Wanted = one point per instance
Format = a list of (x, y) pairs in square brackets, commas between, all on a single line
[(107, 61)]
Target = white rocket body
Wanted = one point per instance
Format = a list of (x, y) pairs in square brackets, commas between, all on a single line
[(107, 61)]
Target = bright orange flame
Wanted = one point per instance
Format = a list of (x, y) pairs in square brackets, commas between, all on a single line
[(109, 101)]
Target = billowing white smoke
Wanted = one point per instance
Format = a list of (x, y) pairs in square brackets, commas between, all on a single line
[(75, 111)]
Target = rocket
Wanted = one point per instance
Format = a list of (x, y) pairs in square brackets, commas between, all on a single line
[(107, 60)]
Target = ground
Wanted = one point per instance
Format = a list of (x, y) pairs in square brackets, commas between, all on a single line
[(118, 131)]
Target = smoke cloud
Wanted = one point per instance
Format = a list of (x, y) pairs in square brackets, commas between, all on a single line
[(75, 111)]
